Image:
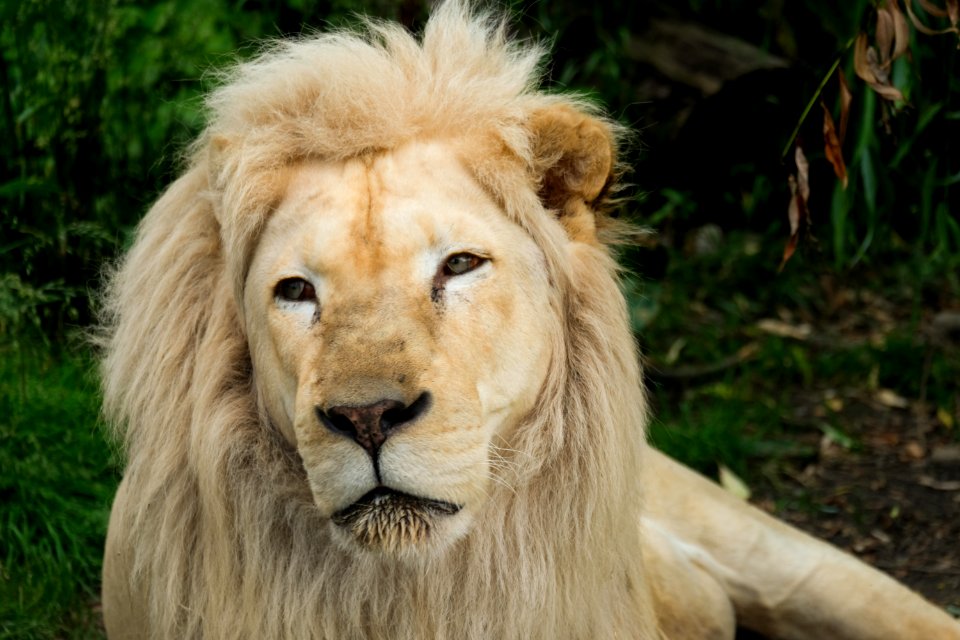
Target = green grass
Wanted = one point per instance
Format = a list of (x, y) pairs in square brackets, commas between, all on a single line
[(706, 308), (56, 483)]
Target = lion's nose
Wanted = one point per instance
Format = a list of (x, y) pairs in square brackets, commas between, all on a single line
[(372, 424)]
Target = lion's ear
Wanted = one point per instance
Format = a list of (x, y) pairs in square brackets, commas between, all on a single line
[(574, 155)]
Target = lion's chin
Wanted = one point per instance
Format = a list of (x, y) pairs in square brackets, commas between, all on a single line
[(391, 521)]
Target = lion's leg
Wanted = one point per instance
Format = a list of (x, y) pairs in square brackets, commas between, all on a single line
[(691, 604), (781, 582)]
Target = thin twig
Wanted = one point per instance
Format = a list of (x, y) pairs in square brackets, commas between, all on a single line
[(687, 372), (814, 99)]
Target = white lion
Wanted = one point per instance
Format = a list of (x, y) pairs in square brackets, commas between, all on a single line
[(374, 379)]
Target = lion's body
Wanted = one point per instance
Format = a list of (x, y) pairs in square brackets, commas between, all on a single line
[(444, 217)]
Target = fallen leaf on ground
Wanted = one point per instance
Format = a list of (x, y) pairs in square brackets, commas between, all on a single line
[(784, 330), (732, 483), (835, 404), (945, 418), (914, 450), (674, 352), (880, 535), (939, 485), (890, 398), (948, 454)]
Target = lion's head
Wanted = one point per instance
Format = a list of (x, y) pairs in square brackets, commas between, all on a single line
[(400, 327), (370, 348)]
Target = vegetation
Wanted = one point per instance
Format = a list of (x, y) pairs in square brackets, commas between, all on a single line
[(56, 486), (745, 363)]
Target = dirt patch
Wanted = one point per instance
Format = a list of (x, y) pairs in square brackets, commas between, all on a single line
[(889, 495)]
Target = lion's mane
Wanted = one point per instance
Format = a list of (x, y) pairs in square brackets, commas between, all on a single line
[(227, 540)]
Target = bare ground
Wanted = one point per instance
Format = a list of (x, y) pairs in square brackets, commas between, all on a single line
[(892, 498)]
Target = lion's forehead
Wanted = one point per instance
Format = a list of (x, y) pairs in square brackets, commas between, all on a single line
[(361, 216)]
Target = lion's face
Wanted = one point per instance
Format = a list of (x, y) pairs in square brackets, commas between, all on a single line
[(400, 328)]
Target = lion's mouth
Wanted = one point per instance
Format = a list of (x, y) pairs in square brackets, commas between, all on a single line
[(390, 519)]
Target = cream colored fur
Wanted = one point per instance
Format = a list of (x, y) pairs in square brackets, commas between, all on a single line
[(361, 162)]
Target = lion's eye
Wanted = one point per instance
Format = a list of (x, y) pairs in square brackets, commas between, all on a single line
[(296, 290), (460, 263)]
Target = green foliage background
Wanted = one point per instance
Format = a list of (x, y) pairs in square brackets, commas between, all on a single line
[(101, 96)]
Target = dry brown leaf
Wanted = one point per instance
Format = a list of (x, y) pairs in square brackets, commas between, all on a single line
[(882, 85), (884, 37), (867, 66), (832, 148), (799, 196), (952, 11), (922, 28), (914, 450), (793, 214), (893, 33), (796, 203), (860, 65), (930, 8), (900, 27), (877, 68), (872, 64), (803, 178), (845, 99)]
